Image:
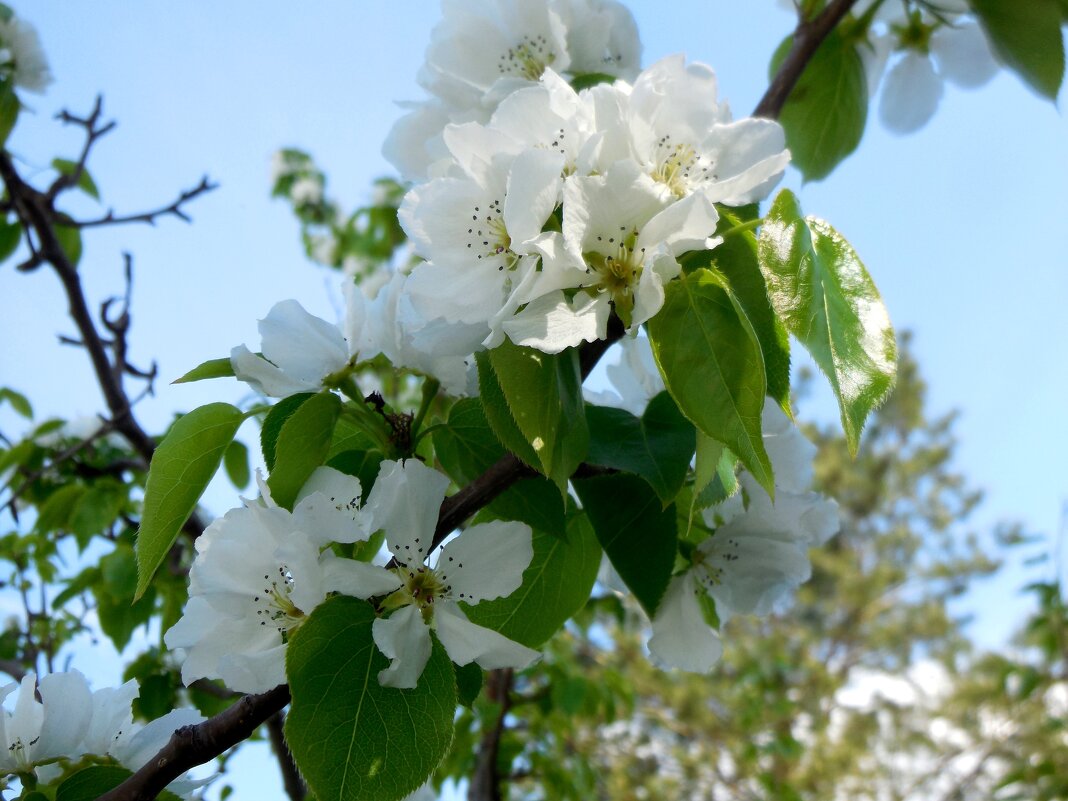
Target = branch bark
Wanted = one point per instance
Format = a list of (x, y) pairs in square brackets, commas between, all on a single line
[(807, 39), (486, 780), (291, 780)]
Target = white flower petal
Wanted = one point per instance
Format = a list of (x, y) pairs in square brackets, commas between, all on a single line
[(68, 708), (303, 345), (534, 185), (261, 375), (328, 507), (358, 579), (963, 54), (552, 322), (134, 751), (405, 501), (681, 637), (405, 639), (466, 642), (910, 95), (486, 561)]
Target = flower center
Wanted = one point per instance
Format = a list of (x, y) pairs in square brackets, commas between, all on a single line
[(528, 59), (487, 236), (423, 586), (274, 607), (618, 266), (679, 166)]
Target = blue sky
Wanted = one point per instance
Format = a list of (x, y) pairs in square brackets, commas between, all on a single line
[(962, 225)]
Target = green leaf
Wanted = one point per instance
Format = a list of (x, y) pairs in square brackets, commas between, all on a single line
[(70, 242), (712, 364), (555, 586), (498, 415), (19, 402), (85, 180), (181, 468), (302, 446), (96, 510), (10, 235), (362, 464), (637, 533), (235, 460), (825, 114), (272, 423), (90, 783), (9, 110), (658, 446), (544, 395), (55, 513), (119, 612), (737, 259), (212, 368), (824, 295), (466, 447), (714, 478), (1026, 35), (586, 80), (354, 739), (469, 679)]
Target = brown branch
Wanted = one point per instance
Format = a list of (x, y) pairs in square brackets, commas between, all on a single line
[(92, 134), (190, 746), (486, 780), (807, 39), (291, 779), (174, 209)]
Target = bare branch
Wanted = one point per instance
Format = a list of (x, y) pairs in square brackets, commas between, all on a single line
[(174, 209), (291, 780), (92, 134), (486, 780), (807, 39)]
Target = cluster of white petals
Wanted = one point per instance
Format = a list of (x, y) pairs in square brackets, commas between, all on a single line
[(482, 51), (567, 205), (22, 58), (757, 554), (259, 571), (484, 562), (71, 721), (300, 352), (925, 45)]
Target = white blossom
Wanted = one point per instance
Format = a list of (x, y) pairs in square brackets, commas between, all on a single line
[(484, 562), (22, 57), (258, 573), (300, 350), (39, 731), (755, 558), (634, 377)]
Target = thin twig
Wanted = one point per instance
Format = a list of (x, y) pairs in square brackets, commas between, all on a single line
[(807, 39), (174, 209), (486, 780), (92, 134), (291, 780)]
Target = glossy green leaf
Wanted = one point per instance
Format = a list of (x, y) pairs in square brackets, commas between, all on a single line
[(825, 114), (181, 468), (824, 295), (212, 368), (713, 366), (272, 424), (85, 180), (235, 460), (303, 443), (466, 447), (714, 477), (737, 259), (1026, 35), (544, 395), (499, 415), (354, 739), (657, 446), (555, 586), (637, 533)]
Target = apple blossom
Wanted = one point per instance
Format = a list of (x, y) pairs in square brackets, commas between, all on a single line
[(21, 55), (485, 561)]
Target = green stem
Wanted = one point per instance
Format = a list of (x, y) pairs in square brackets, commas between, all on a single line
[(741, 228), (430, 391)]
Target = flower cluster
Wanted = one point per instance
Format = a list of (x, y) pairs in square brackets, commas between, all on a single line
[(568, 205), (22, 60), (261, 570), (71, 722), (755, 553)]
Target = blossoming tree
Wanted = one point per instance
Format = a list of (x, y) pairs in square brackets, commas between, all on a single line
[(442, 493)]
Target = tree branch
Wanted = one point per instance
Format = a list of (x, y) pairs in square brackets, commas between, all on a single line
[(291, 779), (92, 134), (190, 746), (807, 39), (174, 209), (486, 780)]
